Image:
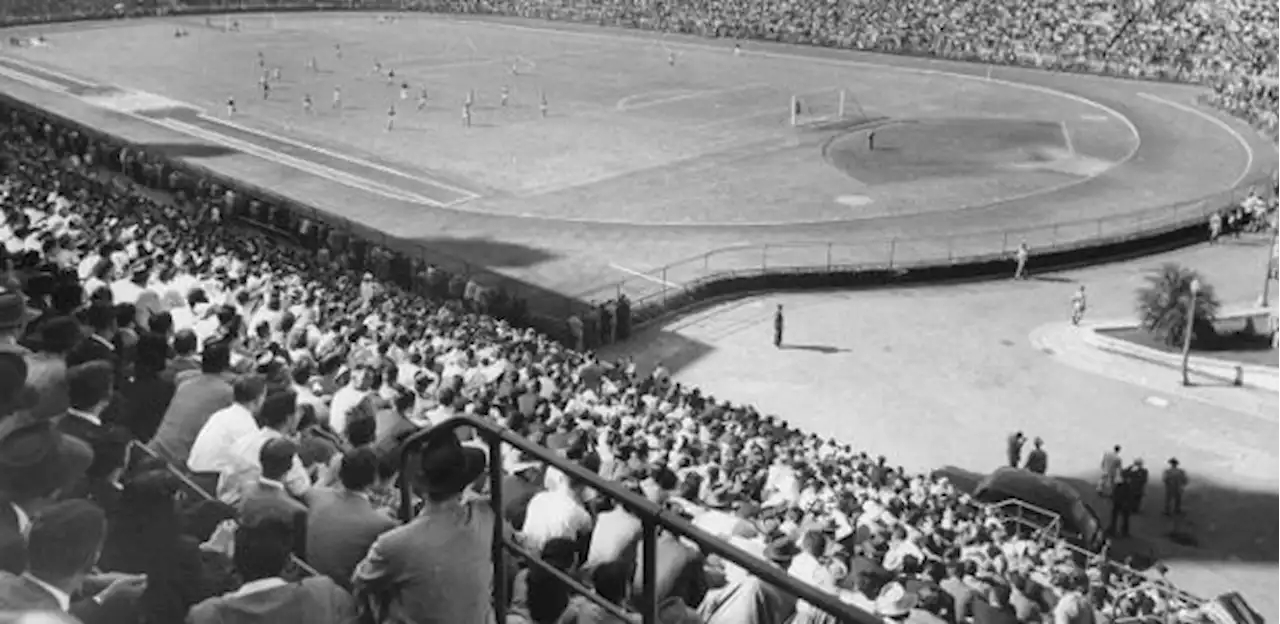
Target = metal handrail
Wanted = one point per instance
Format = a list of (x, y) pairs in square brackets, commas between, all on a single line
[(651, 516), (192, 486)]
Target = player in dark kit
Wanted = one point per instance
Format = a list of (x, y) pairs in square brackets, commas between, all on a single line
[(231, 106), (871, 141), (266, 89)]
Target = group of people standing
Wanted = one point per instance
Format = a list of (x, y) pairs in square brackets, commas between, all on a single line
[(1124, 486)]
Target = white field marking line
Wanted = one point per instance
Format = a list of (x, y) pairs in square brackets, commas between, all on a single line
[(292, 162), (351, 159), (619, 39), (51, 72), (781, 114), (1248, 150), (26, 78), (647, 278), (1066, 136), (625, 106)]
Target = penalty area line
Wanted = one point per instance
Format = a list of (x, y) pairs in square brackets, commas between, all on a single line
[(647, 278), (1066, 137)]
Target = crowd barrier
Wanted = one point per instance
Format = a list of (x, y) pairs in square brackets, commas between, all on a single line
[(671, 287)]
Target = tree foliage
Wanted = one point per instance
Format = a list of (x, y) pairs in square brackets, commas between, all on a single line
[(1163, 305)]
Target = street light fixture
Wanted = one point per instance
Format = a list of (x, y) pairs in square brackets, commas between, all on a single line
[(1186, 337)]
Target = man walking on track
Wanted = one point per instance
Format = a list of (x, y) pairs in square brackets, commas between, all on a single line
[(1020, 258), (778, 322)]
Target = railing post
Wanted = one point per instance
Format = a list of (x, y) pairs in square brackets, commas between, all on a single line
[(951, 252), (828, 256), (499, 551), (665, 286), (1004, 243), (649, 606), (893, 248), (764, 257)]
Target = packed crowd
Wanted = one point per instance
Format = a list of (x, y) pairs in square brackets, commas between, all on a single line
[(136, 337), (144, 344)]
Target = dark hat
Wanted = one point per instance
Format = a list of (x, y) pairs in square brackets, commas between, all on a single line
[(447, 467), (14, 312), (35, 459), (781, 551)]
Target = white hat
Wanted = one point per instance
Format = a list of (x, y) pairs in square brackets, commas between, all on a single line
[(895, 601)]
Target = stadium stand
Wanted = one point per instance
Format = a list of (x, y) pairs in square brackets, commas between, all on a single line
[(307, 401)]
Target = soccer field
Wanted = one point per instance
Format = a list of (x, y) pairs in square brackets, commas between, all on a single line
[(638, 129)]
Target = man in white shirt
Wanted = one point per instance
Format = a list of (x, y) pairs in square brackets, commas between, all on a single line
[(348, 398), (556, 513), (279, 417), (211, 450)]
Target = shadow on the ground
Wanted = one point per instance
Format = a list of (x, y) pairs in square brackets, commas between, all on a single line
[(823, 349), (1219, 523), (489, 253), (189, 150), (659, 347)]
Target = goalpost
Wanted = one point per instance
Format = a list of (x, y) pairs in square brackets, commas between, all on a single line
[(820, 107)]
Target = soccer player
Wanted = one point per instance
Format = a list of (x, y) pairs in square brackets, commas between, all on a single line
[(231, 107), (313, 65), (337, 98), (422, 99), (506, 95), (471, 98), (404, 91), (515, 69), (671, 59), (307, 105), (337, 51), (466, 113), (737, 50), (266, 89), (391, 76), (871, 141), (275, 74), (542, 105), (391, 117), (262, 60), (377, 66)]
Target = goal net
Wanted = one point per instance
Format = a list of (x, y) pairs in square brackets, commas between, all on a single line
[(818, 107)]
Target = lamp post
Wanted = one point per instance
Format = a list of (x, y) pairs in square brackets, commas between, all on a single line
[(1186, 338)]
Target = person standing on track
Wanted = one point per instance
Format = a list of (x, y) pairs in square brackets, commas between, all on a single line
[(1020, 257), (779, 322), (1078, 306)]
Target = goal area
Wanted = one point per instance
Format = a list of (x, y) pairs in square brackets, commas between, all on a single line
[(824, 107)]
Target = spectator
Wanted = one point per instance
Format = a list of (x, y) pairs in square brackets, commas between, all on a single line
[(184, 359), (279, 420), (47, 367), (265, 497), (557, 513), (100, 343), (261, 556), (436, 568), (90, 388), (211, 453), (537, 595), (62, 550), (341, 522), (145, 537), (349, 398), (194, 401), (36, 463), (144, 398)]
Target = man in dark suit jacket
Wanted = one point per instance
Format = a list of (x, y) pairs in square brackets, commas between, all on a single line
[(99, 345), (267, 497), (90, 387), (342, 524), (63, 547)]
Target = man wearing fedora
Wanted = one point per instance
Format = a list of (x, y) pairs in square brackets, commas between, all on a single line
[(36, 462), (436, 569), (99, 344)]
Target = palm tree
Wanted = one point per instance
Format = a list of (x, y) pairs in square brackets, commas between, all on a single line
[(1162, 305)]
